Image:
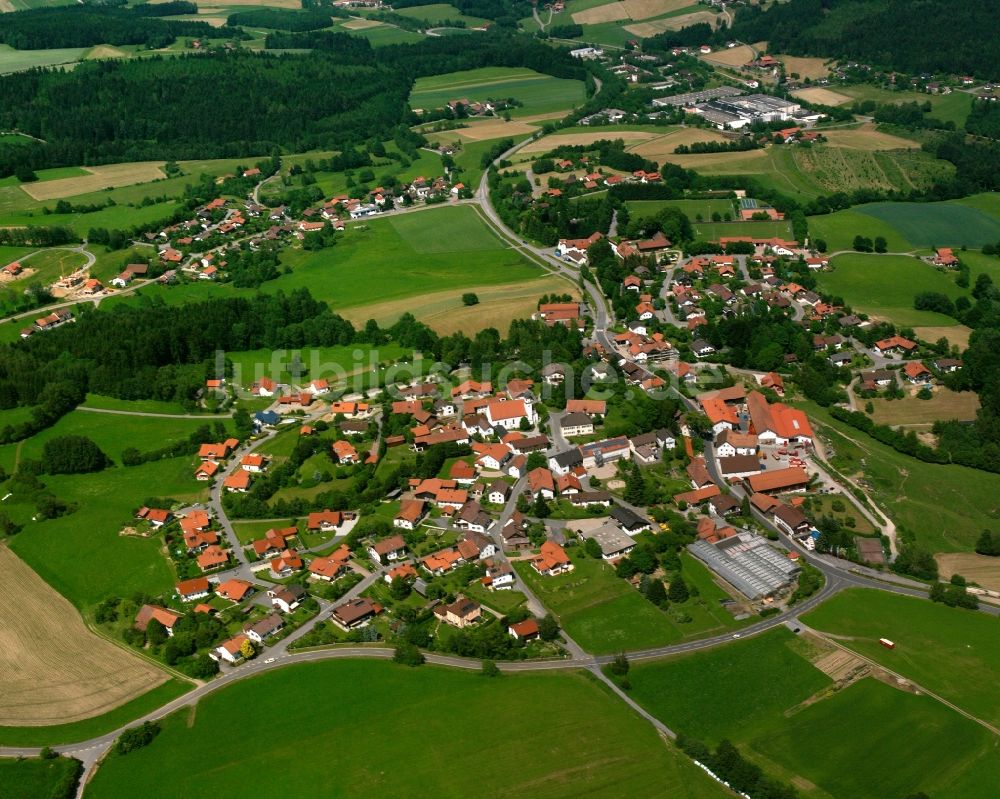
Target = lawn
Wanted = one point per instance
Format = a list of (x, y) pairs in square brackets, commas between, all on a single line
[(885, 285), (604, 614), (139, 406), (368, 743), (643, 208), (871, 741), (82, 555), (98, 725), (34, 778), (713, 231), (946, 224), (953, 652), (945, 507), (310, 363), (537, 93), (746, 691)]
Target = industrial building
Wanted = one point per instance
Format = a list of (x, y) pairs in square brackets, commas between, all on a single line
[(748, 564)]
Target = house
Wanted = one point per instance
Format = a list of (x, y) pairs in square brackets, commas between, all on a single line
[(841, 359), (737, 467), (589, 407), (498, 493), (411, 513), (388, 549), (584, 499), (792, 478), (237, 481), (895, 344), (723, 505), (540, 482), (212, 557), (945, 256), (598, 453), (404, 571), (697, 473), (462, 472), (157, 517), (230, 651), (777, 423), (235, 590), (330, 567), (324, 521), (526, 630), (509, 414), (512, 534), (286, 564), (252, 463), (261, 630), (263, 419), (190, 590), (614, 543), (551, 560), (789, 520), (730, 442), (947, 364), (147, 613), (629, 520), (472, 518), (206, 470), (576, 424), (355, 613), (461, 613), (287, 598), (917, 373), (344, 452), (499, 576), (474, 545), (877, 378), (442, 561)]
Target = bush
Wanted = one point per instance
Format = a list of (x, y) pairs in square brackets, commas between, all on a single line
[(137, 737), (408, 655)]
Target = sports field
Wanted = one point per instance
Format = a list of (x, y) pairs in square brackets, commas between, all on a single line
[(604, 614), (945, 507), (885, 285), (54, 669), (538, 93), (938, 224), (390, 739), (952, 652)]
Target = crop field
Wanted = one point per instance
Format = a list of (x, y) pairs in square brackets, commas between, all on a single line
[(670, 22), (55, 669), (484, 129), (730, 56), (660, 148), (96, 178), (841, 168), (537, 93), (885, 285), (82, 555), (936, 646), (938, 224), (833, 744), (821, 96), (584, 139), (609, 12), (982, 570), (594, 739), (605, 614), (12, 60), (944, 405), (814, 68), (957, 335), (945, 507)]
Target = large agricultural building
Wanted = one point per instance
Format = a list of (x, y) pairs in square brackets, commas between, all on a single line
[(748, 564)]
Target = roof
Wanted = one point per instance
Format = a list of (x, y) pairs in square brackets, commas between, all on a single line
[(196, 585), (391, 544), (739, 464), (234, 589), (168, 618), (523, 629), (791, 477), (778, 418)]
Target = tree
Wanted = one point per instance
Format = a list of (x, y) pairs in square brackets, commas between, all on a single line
[(137, 737), (408, 655), (548, 628), (540, 508), (988, 544), (592, 548), (678, 590), (156, 633), (72, 455), (656, 593), (536, 460), (470, 298), (620, 665), (399, 588), (635, 486), (247, 649), (490, 669), (880, 244)]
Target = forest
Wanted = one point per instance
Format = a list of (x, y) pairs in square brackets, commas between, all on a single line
[(285, 19), (951, 36), (85, 26)]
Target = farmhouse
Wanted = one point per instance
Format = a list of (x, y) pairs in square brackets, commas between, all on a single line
[(777, 423)]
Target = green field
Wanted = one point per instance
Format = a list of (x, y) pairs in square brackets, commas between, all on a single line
[(955, 653), (839, 229), (644, 208), (604, 614), (98, 725), (440, 12), (885, 285), (82, 555), (713, 231), (140, 406), (872, 740), (556, 732), (745, 694), (945, 507), (12, 60), (389, 259), (385, 34), (938, 224), (539, 94), (954, 107), (33, 778), (317, 362), (754, 693), (50, 265)]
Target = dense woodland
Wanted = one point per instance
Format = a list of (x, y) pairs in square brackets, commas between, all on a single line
[(85, 26), (953, 36), (227, 104)]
